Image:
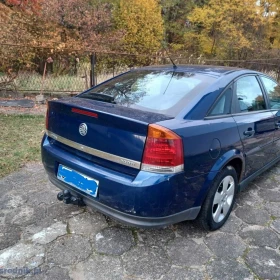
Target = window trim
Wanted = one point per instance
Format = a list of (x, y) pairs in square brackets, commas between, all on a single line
[(265, 90), (230, 85), (252, 112), (235, 113), (218, 117), (269, 78)]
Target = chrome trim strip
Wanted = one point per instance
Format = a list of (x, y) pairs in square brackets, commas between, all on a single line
[(94, 152), (162, 169)]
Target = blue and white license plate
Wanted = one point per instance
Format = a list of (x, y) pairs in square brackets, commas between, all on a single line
[(78, 180)]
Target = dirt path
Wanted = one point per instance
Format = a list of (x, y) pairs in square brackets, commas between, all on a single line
[(38, 109)]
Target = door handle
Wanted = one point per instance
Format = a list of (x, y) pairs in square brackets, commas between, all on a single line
[(249, 133)]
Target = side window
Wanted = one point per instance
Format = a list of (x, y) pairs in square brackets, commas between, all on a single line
[(273, 92), (249, 95), (222, 107)]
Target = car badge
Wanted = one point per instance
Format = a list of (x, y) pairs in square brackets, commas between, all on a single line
[(83, 129)]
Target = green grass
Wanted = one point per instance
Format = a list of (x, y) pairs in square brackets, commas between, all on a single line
[(20, 139)]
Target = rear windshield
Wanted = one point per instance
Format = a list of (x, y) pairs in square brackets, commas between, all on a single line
[(164, 92)]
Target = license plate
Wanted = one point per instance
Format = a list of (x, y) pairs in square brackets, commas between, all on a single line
[(78, 180)]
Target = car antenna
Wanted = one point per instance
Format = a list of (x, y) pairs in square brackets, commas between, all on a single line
[(174, 65), (169, 56)]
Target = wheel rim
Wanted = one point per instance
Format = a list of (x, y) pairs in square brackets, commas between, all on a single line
[(223, 199)]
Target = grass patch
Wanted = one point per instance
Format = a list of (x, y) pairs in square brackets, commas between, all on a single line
[(19, 141), (273, 218)]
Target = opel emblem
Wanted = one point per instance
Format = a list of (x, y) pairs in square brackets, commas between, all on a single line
[(83, 129)]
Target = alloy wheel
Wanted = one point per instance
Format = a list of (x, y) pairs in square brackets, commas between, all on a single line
[(223, 199)]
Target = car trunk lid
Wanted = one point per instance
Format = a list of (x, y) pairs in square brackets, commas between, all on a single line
[(104, 133)]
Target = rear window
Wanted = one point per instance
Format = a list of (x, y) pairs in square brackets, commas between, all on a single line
[(164, 92)]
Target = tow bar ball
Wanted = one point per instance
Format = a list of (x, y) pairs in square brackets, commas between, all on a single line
[(68, 198)]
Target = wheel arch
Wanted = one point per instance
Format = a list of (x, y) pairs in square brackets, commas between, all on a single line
[(238, 165), (235, 158)]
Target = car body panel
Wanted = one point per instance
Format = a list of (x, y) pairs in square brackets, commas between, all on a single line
[(198, 137), (150, 199), (147, 195), (258, 147), (256, 130), (276, 140), (276, 114), (110, 124)]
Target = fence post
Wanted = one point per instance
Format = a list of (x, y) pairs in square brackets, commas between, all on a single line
[(92, 70)]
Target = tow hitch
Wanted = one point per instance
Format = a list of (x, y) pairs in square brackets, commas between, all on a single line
[(68, 198)]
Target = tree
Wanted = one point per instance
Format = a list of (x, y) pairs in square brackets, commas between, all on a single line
[(25, 5), (270, 10), (56, 28), (20, 26), (84, 23), (228, 29), (142, 24), (175, 15)]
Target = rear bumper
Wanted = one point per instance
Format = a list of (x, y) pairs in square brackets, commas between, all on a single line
[(143, 200), (142, 222)]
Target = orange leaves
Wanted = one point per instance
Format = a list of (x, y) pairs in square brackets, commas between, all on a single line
[(89, 26), (28, 6)]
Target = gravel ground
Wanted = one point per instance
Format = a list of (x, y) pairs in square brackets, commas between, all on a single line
[(51, 240)]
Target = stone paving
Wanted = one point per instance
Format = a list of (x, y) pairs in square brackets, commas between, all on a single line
[(58, 241)]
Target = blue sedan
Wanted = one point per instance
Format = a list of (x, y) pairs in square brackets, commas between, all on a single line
[(163, 144)]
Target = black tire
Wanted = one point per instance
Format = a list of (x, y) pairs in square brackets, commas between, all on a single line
[(208, 210)]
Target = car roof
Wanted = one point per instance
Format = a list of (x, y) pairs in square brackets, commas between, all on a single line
[(212, 70)]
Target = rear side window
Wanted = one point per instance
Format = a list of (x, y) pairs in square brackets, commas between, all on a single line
[(165, 92), (223, 106), (273, 92), (249, 95)]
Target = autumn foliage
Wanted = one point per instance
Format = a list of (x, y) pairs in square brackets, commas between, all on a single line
[(25, 5), (232, 29), (228, 29), (142, 24)]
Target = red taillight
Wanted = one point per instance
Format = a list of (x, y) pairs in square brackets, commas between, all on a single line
[(163, 151), (47, 117)]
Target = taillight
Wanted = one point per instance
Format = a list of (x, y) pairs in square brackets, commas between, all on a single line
[(47, 117), (163, 151)]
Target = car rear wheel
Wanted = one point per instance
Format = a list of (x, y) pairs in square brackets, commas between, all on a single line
[(220, 200)]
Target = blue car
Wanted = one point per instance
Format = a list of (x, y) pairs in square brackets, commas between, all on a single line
[(163, 144)]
